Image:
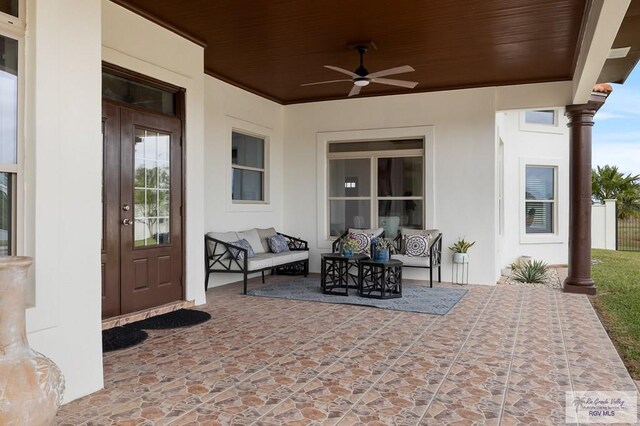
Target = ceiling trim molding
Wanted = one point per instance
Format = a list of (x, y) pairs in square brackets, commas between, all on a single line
[(161, 22), (241, 86), (605, 18)]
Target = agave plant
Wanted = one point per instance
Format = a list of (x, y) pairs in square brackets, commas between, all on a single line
[(531, 272), (461, 246)]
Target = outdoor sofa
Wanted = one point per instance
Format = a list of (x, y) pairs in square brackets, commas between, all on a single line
[(223, 254), (431, 261)]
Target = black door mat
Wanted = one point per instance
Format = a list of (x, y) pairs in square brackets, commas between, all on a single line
[(121, 338), (175, 319)]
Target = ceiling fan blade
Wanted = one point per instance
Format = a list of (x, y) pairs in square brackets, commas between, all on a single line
[(325, 82), (342, 70), (391, 82), (391, 71), (355, 90)]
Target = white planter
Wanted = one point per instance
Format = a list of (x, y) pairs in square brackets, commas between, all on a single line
[(460, 257)]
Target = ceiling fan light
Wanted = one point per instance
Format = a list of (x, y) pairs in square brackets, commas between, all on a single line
[(361, 82)]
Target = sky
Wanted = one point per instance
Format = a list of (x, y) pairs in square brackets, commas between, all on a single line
[(616, 134)]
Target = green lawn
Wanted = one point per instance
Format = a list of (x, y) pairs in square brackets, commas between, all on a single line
[(618, 302)]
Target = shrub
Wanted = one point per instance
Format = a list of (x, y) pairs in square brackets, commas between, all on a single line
[(532, 272)]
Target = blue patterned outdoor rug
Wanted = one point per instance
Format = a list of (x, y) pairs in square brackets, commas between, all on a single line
[(415, 298)]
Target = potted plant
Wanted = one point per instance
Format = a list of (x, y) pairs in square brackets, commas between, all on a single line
[(459, 249), (349, 245), (382, 251)]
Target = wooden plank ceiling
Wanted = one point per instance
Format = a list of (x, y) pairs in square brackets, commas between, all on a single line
[(271, 47)]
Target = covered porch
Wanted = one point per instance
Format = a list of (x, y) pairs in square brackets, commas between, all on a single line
[(503, 355), (508, 352)]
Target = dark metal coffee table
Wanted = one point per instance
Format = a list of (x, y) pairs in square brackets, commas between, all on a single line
[(380, 280), (336, 275)]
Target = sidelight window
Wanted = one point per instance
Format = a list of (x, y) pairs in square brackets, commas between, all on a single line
[(9, 136)]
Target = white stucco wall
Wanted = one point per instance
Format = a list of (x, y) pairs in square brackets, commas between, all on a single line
[(229, 108), (524, 145), (462, 177), (603, 225), (63, 168), (137, 44)]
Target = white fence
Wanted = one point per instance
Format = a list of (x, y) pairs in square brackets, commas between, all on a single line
[(603, 225)]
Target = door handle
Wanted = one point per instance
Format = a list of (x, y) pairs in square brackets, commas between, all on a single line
[(127, 222)]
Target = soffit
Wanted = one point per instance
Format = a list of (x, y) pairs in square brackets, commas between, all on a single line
[(271, 47), (617, 70)]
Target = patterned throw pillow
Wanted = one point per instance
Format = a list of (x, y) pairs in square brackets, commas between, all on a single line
[(364, 243), (417, 245), (238, 254), (278, 243)]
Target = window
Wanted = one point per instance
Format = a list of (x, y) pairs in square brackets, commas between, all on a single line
[(376, 184), (248, 168), (540, 200), (124, 90), (9, 125), (9, 7), (541, 121), (544, 117)]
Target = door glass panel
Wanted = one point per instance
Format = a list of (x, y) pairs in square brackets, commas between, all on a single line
[(6, 213), (8, 100), (151, 188)]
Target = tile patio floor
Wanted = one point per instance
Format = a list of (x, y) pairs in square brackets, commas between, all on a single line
[(503, 355)]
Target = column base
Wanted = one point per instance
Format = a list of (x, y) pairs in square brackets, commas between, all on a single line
[(579, 286)]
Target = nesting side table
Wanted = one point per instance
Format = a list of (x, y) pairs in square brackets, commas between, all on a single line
[(336, 275), (380, 280)]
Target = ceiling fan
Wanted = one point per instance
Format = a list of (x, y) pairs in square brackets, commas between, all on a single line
[(361, 76)]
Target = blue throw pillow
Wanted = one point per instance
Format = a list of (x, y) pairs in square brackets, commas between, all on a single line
[(238, 254), (278, 244)]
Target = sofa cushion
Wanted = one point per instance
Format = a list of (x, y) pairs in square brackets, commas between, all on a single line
[(281, 258), (264, 233), (252, 236), (278, 244), (260, 261), (417, 245), (298, 255), (410, 231), (411, 260), (227, 237), (374, 232), (239, 254)]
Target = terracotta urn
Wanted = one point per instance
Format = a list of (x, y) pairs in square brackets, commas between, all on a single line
[(31, 385)]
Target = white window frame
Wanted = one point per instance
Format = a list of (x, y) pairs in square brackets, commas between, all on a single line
[(12, 23), (558, 224), (323, 139), (250, 129), (14, 28), (541, 128), (373, 157)]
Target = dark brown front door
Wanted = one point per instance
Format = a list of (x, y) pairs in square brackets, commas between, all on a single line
[(142, 224)]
